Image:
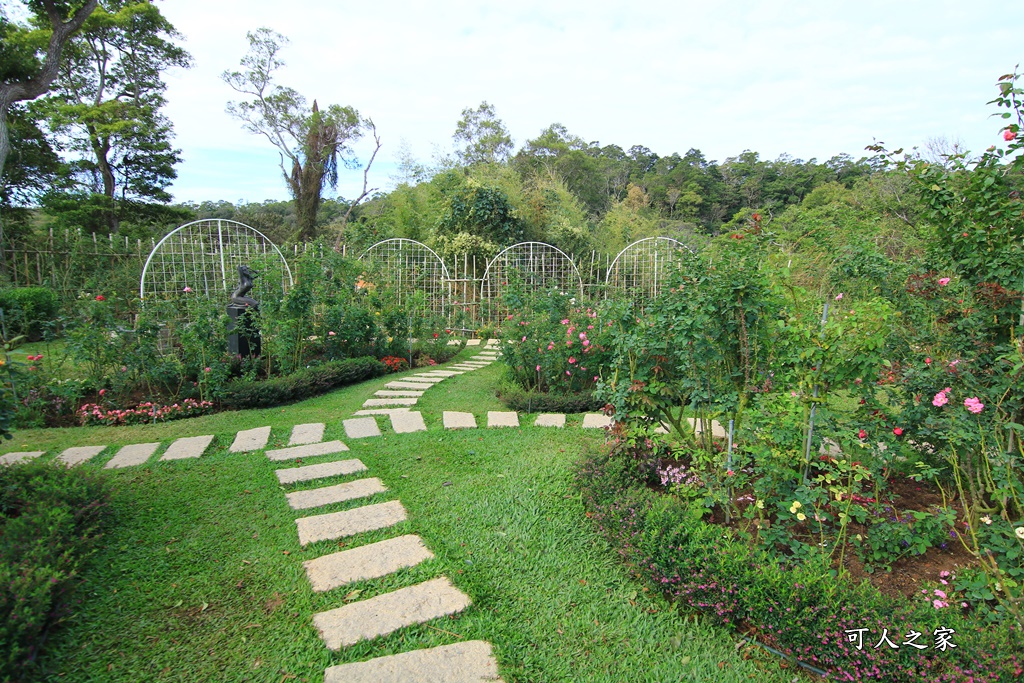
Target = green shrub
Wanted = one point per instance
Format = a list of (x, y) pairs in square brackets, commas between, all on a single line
[(302, 384), (27, 308), (532, 401), (50, 521)]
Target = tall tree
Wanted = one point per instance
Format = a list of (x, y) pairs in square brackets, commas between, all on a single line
[(106, 106), (23, 74), (310, 141), (481, 137)]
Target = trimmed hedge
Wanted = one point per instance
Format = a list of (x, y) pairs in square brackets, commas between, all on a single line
[(50, 521), (302, 384), (804, 612), (520, 400), (26, 308)]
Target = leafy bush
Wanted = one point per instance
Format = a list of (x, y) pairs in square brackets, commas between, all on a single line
[(302, 384), (50, 521), (532, 401), (27, 308)]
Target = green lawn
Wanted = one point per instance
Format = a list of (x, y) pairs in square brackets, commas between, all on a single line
[(201, 576)]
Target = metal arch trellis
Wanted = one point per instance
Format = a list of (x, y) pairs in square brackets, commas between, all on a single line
[(641, 267), (534, 265), (407, 267), (204, 256)]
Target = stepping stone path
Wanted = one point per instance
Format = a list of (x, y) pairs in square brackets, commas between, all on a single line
[(311, 450), (411, 421), (389, 612), (456, 420), (250, 440), (307, 433), (366, 562), (349, 522), (188, 447), (313, 498), (79, 454), (22, 456), (321, 471), (468, 662), (361, 427), (405, 394), (136, 454), (389, 401), (496, 418)]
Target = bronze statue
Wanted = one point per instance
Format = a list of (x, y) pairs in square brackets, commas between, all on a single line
[(245, 280), (243, 317)]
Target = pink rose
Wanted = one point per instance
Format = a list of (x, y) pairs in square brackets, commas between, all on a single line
[(943, 281), (862, 434), (839, 296), (974, 405), (538, 368), (187, 290), (940, 399), (1009, 135), (898, 431)]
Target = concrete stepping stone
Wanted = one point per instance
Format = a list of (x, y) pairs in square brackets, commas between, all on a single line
[(389, 401), (187, 447), (457, 420), (493, 342), (361, 427), (717, 430), (472, 342), (596, 421), (501, 418), (467, 662), (465, 368), (418, 386), (314, 498), (550, 420), (349, 522), (132, 455), (404, 394), (76, 455), (250, 440), (389, 612), (442, 373), (425, 377), (21, 456), (366, 562), (409, 421), (453, 342), (307, 433), (323, 470), (310, 450), (380, 411)]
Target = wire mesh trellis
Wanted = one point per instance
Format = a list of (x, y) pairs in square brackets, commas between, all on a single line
[(640, 269), (532, 266), (412, 272), (204, 256)]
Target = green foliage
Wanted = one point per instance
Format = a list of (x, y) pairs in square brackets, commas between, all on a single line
[(50, 522), (26, 309), (301, 384), (477, 219), (534, 401), (482, 136)]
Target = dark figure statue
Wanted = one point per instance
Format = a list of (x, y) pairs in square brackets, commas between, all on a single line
[(245, 278), (243, 317)]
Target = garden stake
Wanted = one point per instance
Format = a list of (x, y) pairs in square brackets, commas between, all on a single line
[(728, 468), (814, 405)]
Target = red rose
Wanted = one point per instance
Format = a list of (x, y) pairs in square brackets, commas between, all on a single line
[(862, 434), (100, 297), (898, 431)]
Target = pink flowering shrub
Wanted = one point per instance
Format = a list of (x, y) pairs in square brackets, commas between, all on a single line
[(94, 414)]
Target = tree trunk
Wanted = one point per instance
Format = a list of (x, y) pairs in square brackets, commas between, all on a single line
[(100, 148)]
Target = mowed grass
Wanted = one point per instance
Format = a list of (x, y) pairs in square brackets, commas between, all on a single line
[(201, 577)]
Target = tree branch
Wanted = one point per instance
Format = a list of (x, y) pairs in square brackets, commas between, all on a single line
[(366, 181)]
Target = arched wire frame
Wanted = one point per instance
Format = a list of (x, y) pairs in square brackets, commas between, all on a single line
[(533, 266), (412, 271), (640, 269), (204, 256)]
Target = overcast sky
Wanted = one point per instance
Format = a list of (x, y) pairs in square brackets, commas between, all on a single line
[(810, 79)]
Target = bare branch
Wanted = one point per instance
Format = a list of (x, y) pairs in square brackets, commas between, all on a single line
[(366, 182)]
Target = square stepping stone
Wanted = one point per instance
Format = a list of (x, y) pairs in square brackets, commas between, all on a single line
[(314, 498), (418, 386), (389, 401), (381, 411), (441, 373), (472, 342), (349, 522), (310, 450), (409, 393), (321, 471), (188, 447), (128, 456), (456, 420), (550, 420), (468, 662), (425, 377), (366, 562), (361, 427), (307, 433), (500, 418), (410, 421), (389, 612), (76, 455), (21, 456), (493, 342), (596, 421), (250, 440)]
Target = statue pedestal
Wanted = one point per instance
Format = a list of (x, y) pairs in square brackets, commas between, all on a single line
[(243, 330)]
